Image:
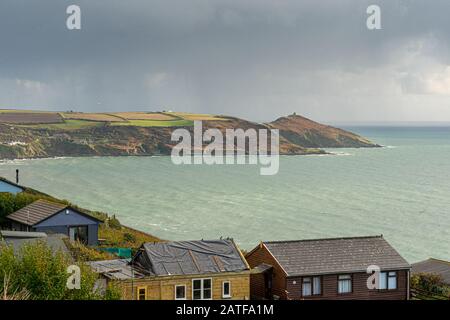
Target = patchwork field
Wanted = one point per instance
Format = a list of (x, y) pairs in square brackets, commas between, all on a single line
[(154, 123), (144, 116), (68, 124), (79, 120), (103, 117), (195, 116), (29, 117)]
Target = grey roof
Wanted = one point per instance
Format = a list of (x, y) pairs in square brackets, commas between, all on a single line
[(40, 210), (12, 183), (190, 257), (118, 269), (36, 212), (5, 234), (435, 266), (54, 242), (336, 255)]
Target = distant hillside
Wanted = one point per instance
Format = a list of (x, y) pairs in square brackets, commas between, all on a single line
[(309, 134), (32, 134)]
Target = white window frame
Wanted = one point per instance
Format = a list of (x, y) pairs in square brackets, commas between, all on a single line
[(185, 292), (202, 288), (225, 296)]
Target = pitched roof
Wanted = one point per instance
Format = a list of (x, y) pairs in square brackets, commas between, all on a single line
[(436, 266), (190, 257), (335, 255), (12, 183), (53, 241), (36, 212)]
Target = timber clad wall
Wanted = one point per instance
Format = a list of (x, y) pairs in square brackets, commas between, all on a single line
[(163, 288), (359, 288), (262, 255)]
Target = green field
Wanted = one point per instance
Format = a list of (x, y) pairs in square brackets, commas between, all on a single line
[(154, 123), (66, 125), (80, 120)]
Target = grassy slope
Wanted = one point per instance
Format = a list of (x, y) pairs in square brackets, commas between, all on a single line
[(66, 125), (114, 236), (154, 123)]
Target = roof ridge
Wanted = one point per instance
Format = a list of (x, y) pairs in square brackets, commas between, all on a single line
[(50, 202), (324, 239), (11, 182), (440, 260)]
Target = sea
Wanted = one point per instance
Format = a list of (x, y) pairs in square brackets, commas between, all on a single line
[(400, 191)]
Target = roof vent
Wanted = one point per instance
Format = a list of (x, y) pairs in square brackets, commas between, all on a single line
[(67, 211)]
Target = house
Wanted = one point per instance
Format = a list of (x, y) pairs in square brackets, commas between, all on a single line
[(184, 270), (18, 239), (327, 269), (56, 218), (9, 186), (433, 266)]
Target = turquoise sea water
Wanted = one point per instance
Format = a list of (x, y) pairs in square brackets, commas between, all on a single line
[(401, 191)]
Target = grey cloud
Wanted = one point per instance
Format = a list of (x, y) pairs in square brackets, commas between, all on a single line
[(256, 59)]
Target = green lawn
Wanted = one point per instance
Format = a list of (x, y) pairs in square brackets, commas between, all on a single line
[(154, 123)]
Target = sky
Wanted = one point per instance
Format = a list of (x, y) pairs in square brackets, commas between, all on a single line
[(255, 59)]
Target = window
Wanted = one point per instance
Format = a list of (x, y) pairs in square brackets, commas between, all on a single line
[(79, 233), (311, 286), (306, 285), (180, 292), (226, 289), (345, 283), (383, 281), (388, 280), (141, 293), (392, 280), (317, 286), (201, 289)]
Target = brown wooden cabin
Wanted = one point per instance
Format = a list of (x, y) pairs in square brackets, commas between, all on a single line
[(327, 269), (181, 270)]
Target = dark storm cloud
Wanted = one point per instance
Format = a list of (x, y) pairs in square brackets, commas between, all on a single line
[(257, 59)]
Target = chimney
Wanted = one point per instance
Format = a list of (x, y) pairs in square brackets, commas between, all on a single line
[(17, 176)]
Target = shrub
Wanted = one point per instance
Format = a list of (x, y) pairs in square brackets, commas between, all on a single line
[(114, 223), (43, 274), (80, 252), (128, 237)]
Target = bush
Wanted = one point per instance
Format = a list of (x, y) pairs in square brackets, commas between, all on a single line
[(43, 274), (114, 223), (428, 282), (84, 253), (128, 237)]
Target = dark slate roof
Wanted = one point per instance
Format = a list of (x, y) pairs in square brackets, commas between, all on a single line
[(435, 266), (336, 255), (36, 212), (190, 257), (12, 183)]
